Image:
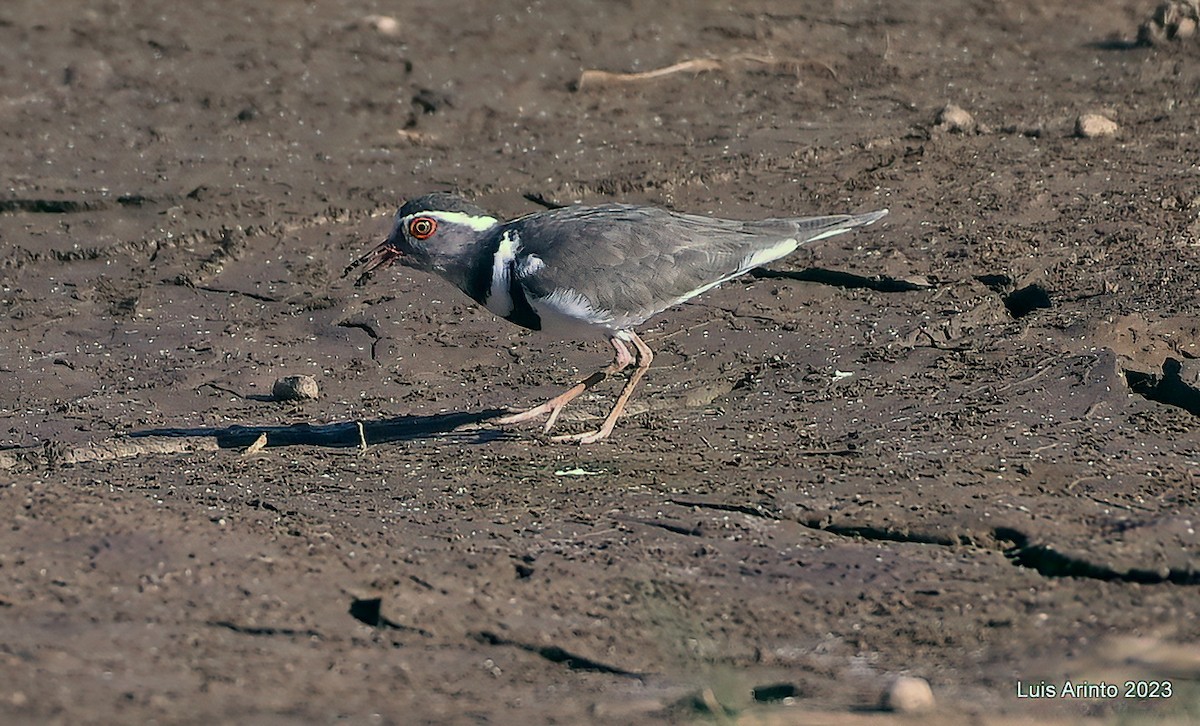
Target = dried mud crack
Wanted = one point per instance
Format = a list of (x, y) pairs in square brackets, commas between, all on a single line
[(264, 630), (556, 654), (222, 291), (369, 611), (1019, 302), (1017, 546), (51, 206), (372, 333), (1168, 388), (1044, 559), (1050, 562)]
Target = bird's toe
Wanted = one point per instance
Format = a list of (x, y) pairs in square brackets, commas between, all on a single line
[(587, 437)]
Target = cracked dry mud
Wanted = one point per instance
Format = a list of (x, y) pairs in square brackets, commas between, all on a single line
[(959, 445)]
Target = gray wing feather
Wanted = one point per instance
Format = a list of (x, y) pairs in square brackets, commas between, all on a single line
[(638, 261)]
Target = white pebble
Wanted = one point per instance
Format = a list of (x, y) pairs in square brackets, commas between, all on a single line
[(955, 118), (909, 695), (383, 24), (1092, 125)]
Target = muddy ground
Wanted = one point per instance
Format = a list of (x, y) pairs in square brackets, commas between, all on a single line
[(960, 445)]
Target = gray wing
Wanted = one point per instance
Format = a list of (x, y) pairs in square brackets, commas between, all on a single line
[(636, 261)]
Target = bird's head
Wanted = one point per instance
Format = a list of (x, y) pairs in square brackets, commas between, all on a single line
[(436, 233)]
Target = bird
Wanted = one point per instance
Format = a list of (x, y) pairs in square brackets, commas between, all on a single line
[(586, 271)]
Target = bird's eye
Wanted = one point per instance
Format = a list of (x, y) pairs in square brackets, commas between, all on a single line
[(422, 227)]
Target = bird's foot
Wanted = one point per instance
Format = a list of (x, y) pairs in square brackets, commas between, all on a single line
[(587, 437), (521, 416), (553, 408)]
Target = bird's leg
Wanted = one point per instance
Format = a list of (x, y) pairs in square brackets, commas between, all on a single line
[(644, 357), (555, 405)]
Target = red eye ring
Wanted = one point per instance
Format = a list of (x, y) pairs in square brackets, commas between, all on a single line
[(422, 227)]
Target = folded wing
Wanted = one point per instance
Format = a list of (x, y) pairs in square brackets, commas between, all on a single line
[(631, 262)]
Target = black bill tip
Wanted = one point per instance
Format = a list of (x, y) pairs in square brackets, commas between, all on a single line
[(380, 257)]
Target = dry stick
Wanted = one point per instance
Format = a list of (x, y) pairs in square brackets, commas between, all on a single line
[(593, 77), (418, 138), (697, 65), (796, 63)]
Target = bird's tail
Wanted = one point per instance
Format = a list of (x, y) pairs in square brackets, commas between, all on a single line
[(811, 229)]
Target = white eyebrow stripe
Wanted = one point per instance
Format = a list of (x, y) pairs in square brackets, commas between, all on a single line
[(478, 223)]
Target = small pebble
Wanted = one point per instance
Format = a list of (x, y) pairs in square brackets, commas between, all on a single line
[(295, 388), (383, 24), (909, 695), (1093, 125), (1186, 28), (955, 118), (94, 75)]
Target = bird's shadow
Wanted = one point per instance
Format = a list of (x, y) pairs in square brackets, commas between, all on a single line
[(1115, 44), (879, 283), (458, 426)]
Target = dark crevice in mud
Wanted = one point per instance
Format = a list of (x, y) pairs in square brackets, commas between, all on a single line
[(359, 325), (257, 503), (752, 510), (264, 630), (367, 328), (1024, 301), (882, 534), (1043, 559), (555, 654), (20, 257), (1018, 302), (51, 206), (230, 391), (369, 611), (670, 527), (849, 280), (86, 253), (540, 199), (775, 692), (71, 206), (223, 291), (1049, 562), (1169, 388), (1114, 44), (135, 200), (996, 282)]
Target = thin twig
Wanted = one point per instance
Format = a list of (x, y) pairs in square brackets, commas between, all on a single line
[(592, 77)]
